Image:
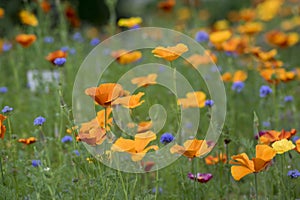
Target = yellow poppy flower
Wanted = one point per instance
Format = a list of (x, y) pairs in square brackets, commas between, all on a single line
[(219, 36), (283, 146), (129, 22)]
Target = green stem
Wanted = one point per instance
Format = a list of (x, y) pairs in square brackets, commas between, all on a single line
[(256, 186), (156, 184), (2, 173), (123, 185)]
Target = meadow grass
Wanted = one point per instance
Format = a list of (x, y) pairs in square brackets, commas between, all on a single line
[(68, 171)]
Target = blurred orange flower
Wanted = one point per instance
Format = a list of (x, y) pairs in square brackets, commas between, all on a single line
[(250, 28), (25, 40), (130, 57), (131, 101), (142, 126), (137, 147), (193, 100), (238, 76), (2, 12), (72, 17), (105, 93), (247, 14), (226, 77), (170, 53), (144, 81), (276, 75), (166, 5), (56, 54), (298, 146), (282, 39), (243, 166), (212, 160), (91, 133), (271, 136), (28, 18), (192, 148), (2, 127), (45, 5), (27, 141), (236, 45)]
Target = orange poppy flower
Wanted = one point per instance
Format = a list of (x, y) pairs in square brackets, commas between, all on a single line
[(25, 40), (137, 147), (27, 141), (56, 54), (101, 118), (28, 18), (243, 166), (91, 133), (297, 145), (2, 127), (125, 57), (170, 53), (276, 75), (142, 126), (268, 9), (105, 93), (226, 77), (236, 45), (144, 81), (264, 55), (239, 76), (131, 101), (192, 148), (271, 136), (166, 5), (250, 28), (282, 39), (193, 100), (247, 14), (212, 160)]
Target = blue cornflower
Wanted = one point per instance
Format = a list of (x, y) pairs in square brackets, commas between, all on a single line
[(209, 103), (266, 124), (160, 190), (264, 91), (293, 173), (67, 138), (135, 27), (72, 51), (39, 121), (238, 86), (48, 39), (288, 98), (6, 46), (65, 48), (295, 138), (76, 152), (95, 41), (59, 61), (36, 163), (166, 138), (7, 109), (3, 89), (77, 37), (201, 36)]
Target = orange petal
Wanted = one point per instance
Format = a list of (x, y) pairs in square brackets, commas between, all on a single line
[(265, 152), (123, 145), (239, 172), (141, 140)]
